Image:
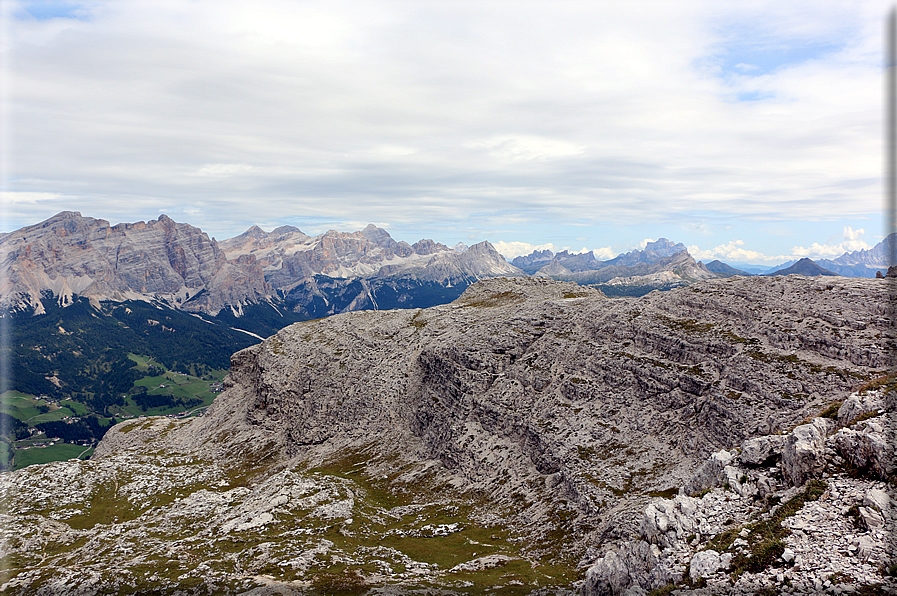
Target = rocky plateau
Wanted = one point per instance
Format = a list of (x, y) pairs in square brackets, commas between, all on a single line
[(529, 438)]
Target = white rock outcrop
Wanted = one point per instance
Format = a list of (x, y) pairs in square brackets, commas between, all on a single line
[(803, 455)]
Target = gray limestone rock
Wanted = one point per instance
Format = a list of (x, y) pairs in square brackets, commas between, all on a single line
[(710, 474), (877, 499), (757, 450), (866, 447), (633, 565), (667, 520), (160, 259), (559, 409), (803, 456), (703, 564), (858, 404), (871, 518), (865, 547)]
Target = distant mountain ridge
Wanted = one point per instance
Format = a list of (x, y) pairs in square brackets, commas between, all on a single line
[(661, 265), (806, 267), (177, 265), (180, 266), (862, 263), (160, 260)]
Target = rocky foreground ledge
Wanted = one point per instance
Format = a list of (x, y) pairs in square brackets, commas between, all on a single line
[(514, 441), (807, 512)]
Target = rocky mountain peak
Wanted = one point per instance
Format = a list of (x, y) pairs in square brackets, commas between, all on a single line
[(158, 260), (254, 232), (664, 247), (378, 236), (804, 266)]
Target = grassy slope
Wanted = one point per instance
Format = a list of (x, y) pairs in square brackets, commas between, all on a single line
[(26, 408)]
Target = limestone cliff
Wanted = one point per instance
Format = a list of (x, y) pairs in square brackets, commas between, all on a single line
[(157, 260), (291, 258)]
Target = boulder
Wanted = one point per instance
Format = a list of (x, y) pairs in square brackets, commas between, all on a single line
[(733, 478), (765, 485), (872, 519), (858, 404), (757, 451), (867, 448), (632, 565), (710, 474), (669, 520), (877, 499), (865, 547), (703, 564), (803, 457)]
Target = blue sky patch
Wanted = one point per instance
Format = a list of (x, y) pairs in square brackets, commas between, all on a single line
[(755, 57), (44, 10)]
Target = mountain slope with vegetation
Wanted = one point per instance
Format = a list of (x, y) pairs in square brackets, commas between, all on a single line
[(510, 438)]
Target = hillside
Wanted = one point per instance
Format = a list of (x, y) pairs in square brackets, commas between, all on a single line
[(513, 438)]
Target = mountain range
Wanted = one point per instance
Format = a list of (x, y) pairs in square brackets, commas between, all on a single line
[(179, 266), (102, 291), (298, 276)]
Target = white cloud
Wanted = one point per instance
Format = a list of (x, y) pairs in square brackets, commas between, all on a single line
[(603, 254), (12, 198), (225, 170), (733, 251), (528, 147), (431, 112), (515, 248), (641, 245), (851, 242)]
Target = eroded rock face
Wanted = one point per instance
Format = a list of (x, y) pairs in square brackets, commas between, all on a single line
[(561, 408), (550, 391), (69, 254)]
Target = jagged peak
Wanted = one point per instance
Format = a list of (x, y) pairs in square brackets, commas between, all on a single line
[(286, 230), (254, 232), (377, 235), (63, 215)]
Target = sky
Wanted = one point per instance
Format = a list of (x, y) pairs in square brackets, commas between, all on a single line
[(749, 131)]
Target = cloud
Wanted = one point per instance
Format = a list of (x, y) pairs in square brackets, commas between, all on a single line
[(515, 248), (733, 251), (851, 242), (603, 254), (432, 112), (641, 245), (12, 198)]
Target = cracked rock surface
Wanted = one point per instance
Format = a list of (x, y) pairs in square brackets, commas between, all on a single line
[(540, 416)]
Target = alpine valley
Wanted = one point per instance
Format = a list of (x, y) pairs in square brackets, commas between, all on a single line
[(386, 418)]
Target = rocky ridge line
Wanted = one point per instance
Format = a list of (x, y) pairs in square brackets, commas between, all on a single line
[(550, 412)]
